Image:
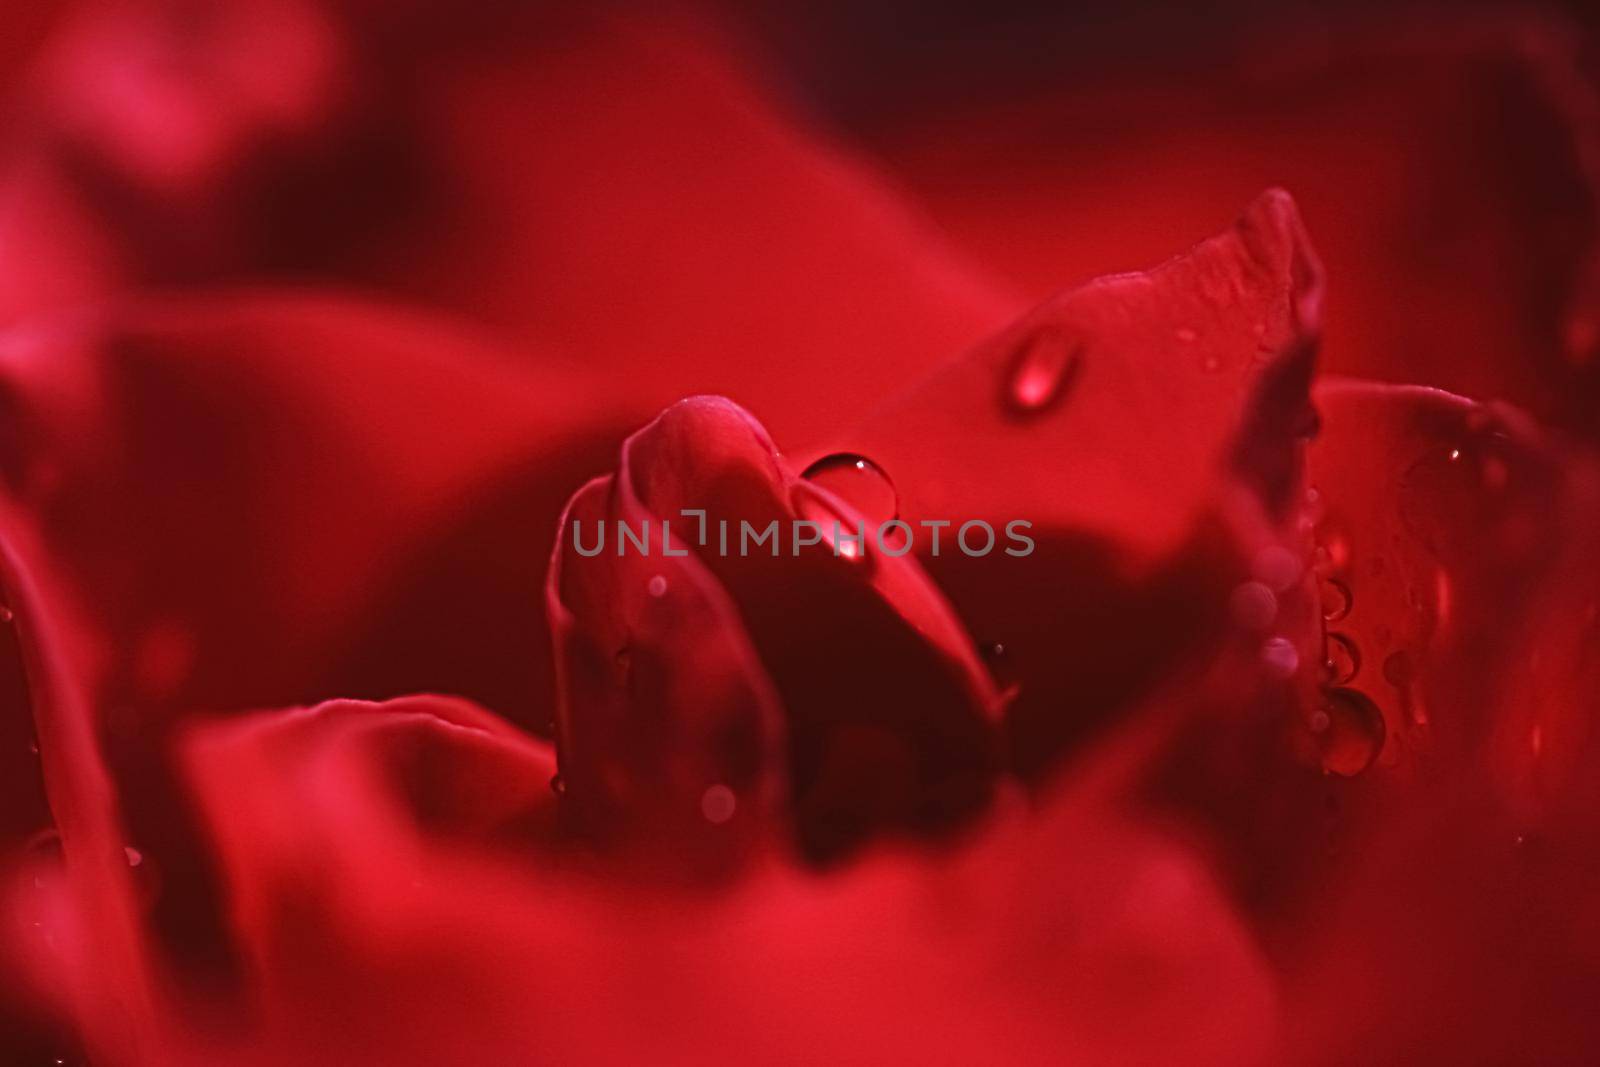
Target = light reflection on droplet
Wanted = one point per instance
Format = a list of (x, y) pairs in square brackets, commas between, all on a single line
[(1002, 668), (1352, 734), (1336, 599), (1042, 370), (859, 482), (1342, 660), (853, 534)]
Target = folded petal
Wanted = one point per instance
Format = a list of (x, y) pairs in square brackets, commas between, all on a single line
[(886, 709)]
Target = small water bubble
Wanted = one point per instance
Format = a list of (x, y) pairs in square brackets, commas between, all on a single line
[(1253, 605), (558, 785), (1186, 335), (1280, 658), (1342, 659), (1002, 666), (1336, 599), (1042, 370), (132, 855), (657, 586), (6, 614), (1398, 669), (1353, 732), (718, 804), (1210, 363), (859, 482)]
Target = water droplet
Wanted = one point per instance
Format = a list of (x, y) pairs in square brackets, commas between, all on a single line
[(1335, 599), (558, 785), (859, 482), (718, 804), (1253, 605), (6, 614), (1043, 368), (1352, 734), (133, 855), (1398, 670), (1002, 667), (854, 534), (1341, 659), (1186, 335), (1280, 658), (657, 586), (1210, 363)]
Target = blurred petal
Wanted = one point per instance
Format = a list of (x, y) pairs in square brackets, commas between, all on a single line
[(687, 236), (1065, 938)]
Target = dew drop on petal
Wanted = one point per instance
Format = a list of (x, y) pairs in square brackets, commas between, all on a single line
[(1280, 657), (814, 507), (1041, 371), (657, 586), (1354, 731), (1336, 599), (718, 804), (1002, 666), (1398, 670), (859, 482), (6, 614), (558, 785), (1341, 659), (1186, 335), (1253, 605)]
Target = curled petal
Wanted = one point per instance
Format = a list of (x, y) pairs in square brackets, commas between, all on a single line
[(885, 707)]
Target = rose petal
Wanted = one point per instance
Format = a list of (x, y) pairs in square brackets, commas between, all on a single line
[(669, 730), (266, 497), (885, 703), (1448, 166), (1178, 391), (357, 916)]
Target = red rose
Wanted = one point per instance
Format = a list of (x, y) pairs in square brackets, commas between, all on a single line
[(1136, 678)]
